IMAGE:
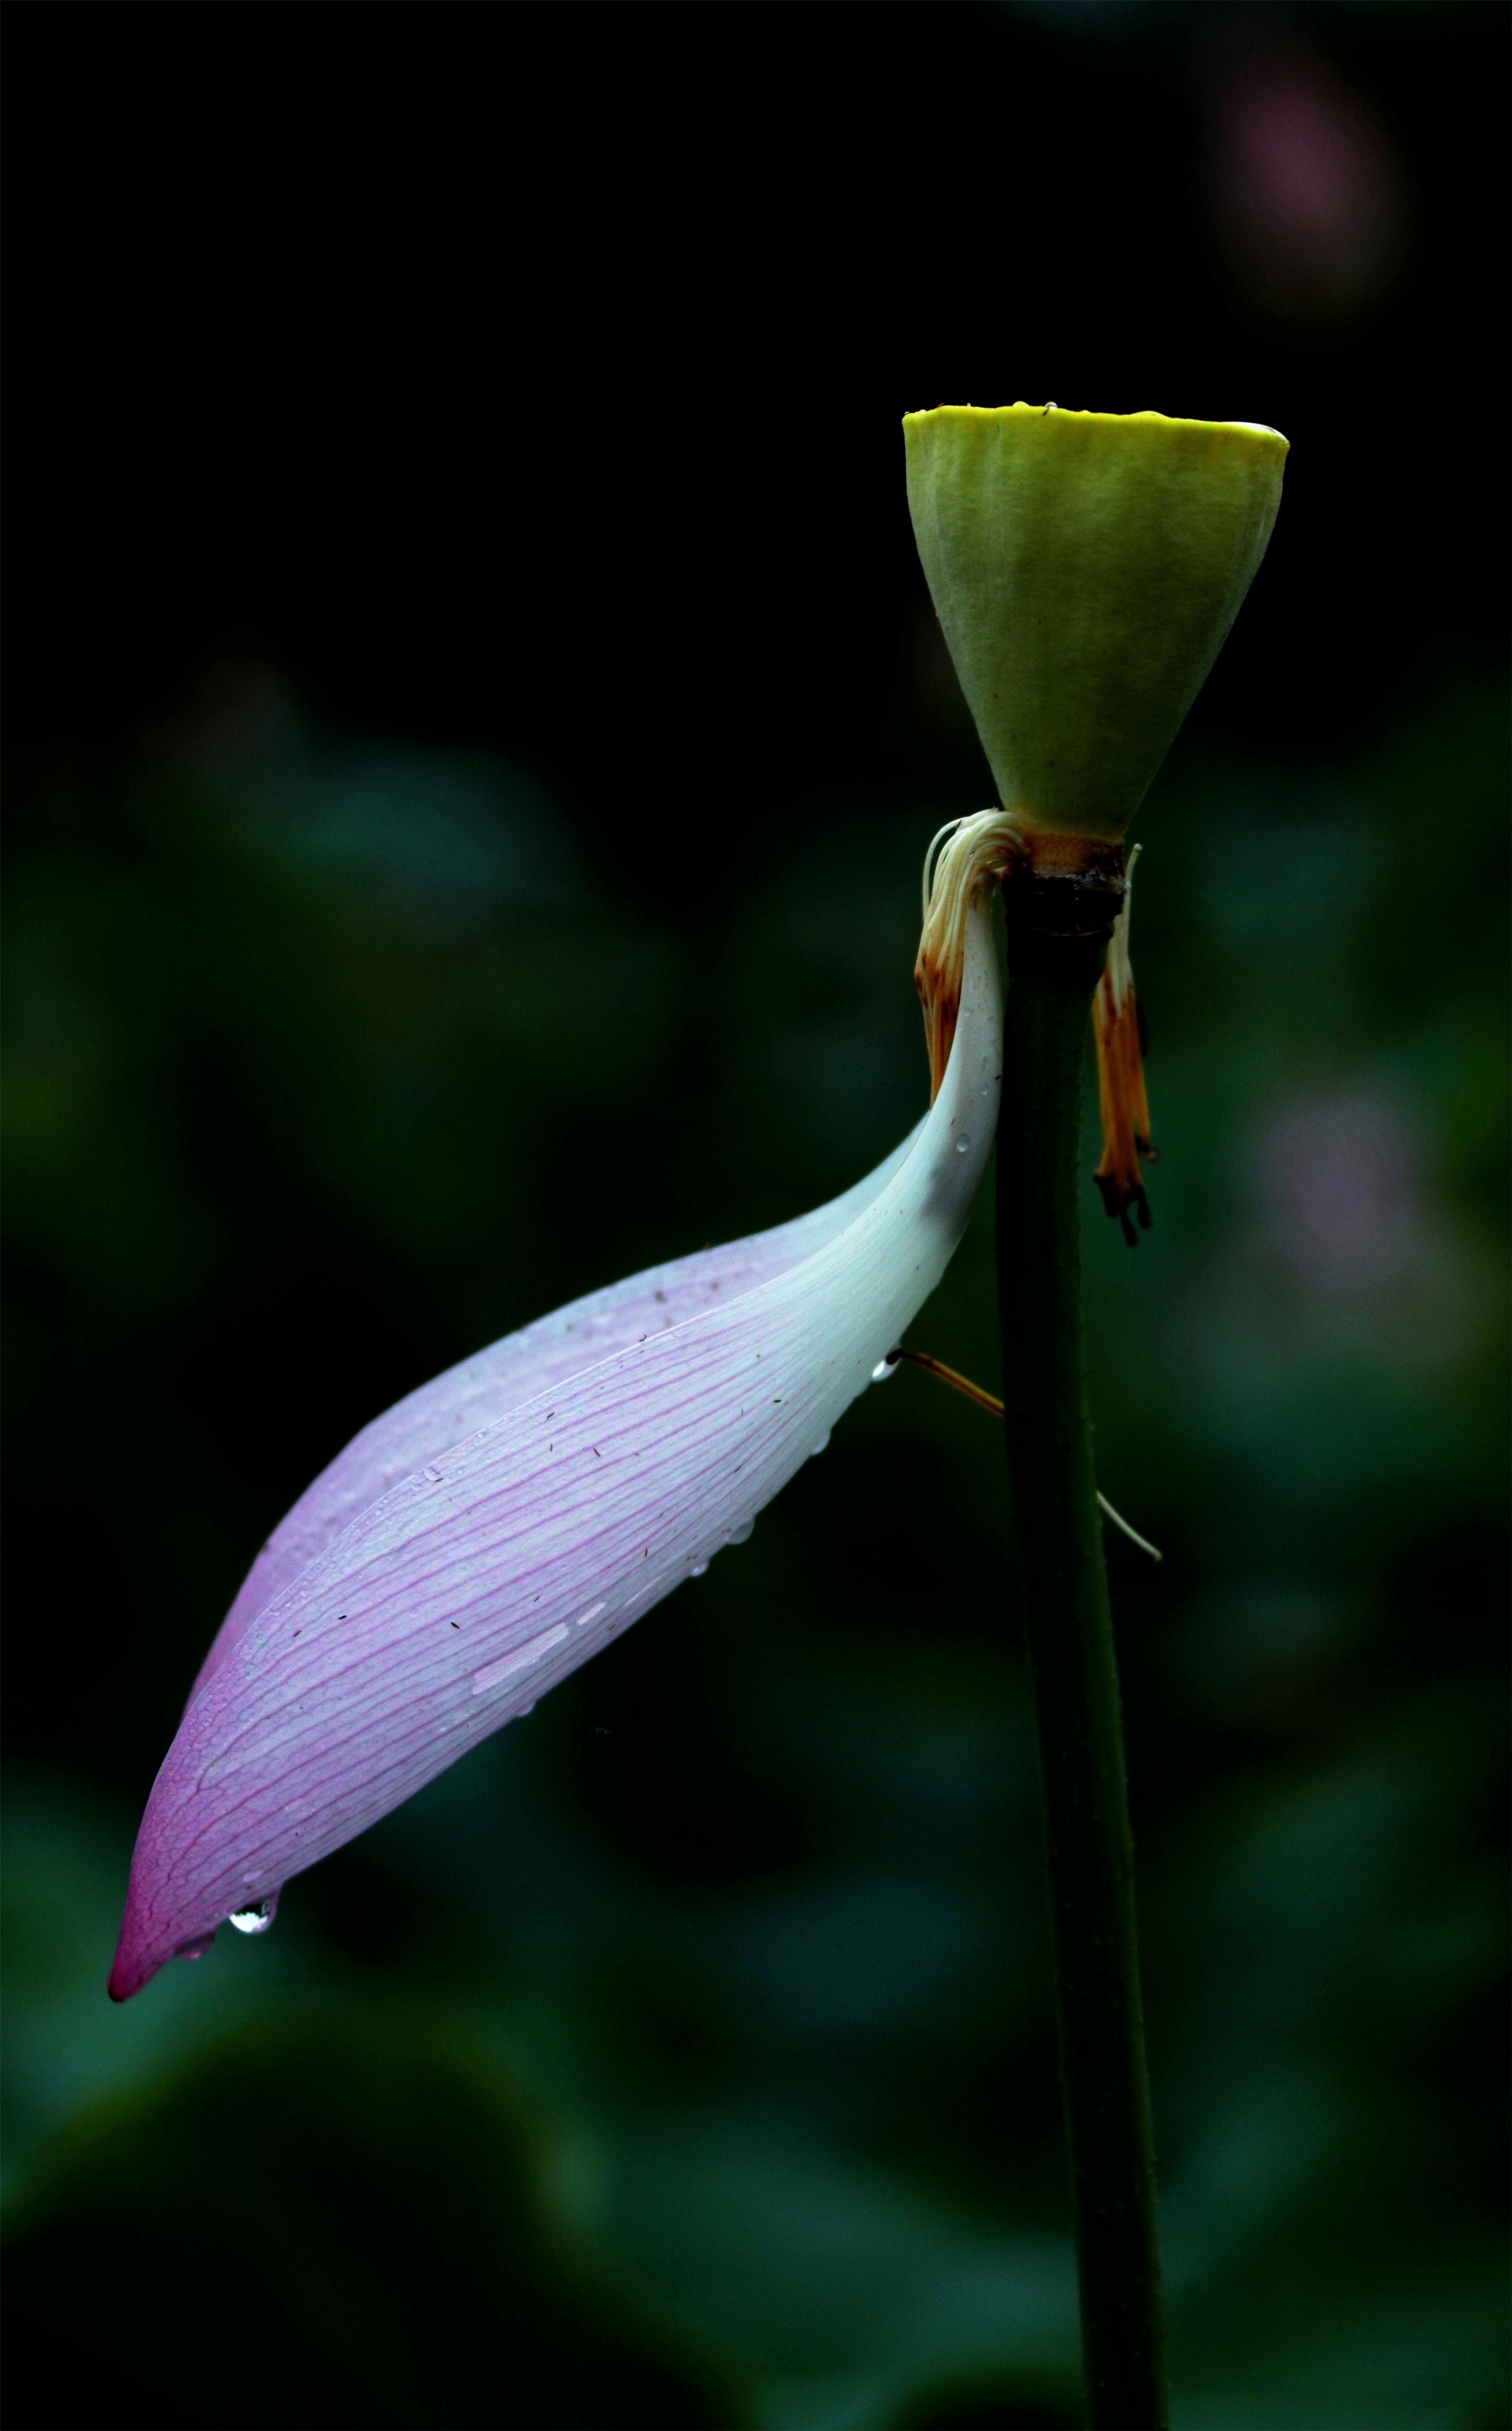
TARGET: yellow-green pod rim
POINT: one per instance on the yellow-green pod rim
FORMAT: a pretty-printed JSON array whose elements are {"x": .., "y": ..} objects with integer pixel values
[{"x": 1086, "y": 569}]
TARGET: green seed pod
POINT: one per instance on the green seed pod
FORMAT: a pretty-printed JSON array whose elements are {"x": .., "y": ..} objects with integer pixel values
[{"x": 1085, "y": 568}]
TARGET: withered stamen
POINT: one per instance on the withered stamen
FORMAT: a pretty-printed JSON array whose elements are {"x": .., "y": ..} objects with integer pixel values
[
  {"x": 985, "y": 1401},
  {"x": 978, "y": 852},
  {"x": 1121, "y": 1038}
]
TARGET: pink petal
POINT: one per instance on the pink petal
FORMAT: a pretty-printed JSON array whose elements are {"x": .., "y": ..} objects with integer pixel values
[
  {"x": 479, "y": 1390},
  {"x": 450, "y": 1601}
]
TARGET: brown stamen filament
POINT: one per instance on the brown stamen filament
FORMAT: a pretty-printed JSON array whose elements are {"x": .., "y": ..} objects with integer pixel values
[
  {"x": 1122, "y": 1039},
  {"x": 985, "y": 1401},
  {"x": 1124, "y": 1107}
]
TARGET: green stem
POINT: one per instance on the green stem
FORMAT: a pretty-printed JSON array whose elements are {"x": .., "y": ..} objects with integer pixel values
[{"x": 1069, "y": 1630}]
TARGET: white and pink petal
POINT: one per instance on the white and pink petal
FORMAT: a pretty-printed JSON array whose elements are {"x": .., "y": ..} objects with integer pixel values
[{"x": 558, "y": 1486}]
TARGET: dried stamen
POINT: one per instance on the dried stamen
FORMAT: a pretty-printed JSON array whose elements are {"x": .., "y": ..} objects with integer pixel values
[
  {"x": 979, "y": 854},
  {"x": 985, "y": 1401},
  {"x": 1120, "y": 1036}
]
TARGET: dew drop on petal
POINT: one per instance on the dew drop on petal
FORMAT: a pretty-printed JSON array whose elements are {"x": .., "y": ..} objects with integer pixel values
[
  {"x": 963, "y": 1146},
  {"x": 884, "y": 1369},
  {"x": 197, "y": 1946},
  {"x": 738, "y": 1535},
  {"x": 822, "y": 1445},
  {"x": 698, "y": 1569},
  {"x": 259, "y": 1917}
]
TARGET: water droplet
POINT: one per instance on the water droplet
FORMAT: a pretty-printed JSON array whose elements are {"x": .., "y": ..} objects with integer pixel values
[
  {"x": 884, "y": 1369},
  {"x": 822, "y": 1445},
  {"x": 738, "y": 1535},
  {"x": 698, "y": 1569},
  {"x": 434, "y": 1476},
  {"x": 196, "y": 1945},
  {"x": 592, "y": 1612},
  {"x": 986, "y": 1089},
  {"x": 963, "y": 1146},
  {"x": 258, "y": 1918}
]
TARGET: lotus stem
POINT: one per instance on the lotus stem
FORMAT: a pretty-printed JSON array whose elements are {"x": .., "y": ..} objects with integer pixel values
[{"x": 1068, "y": 1631}]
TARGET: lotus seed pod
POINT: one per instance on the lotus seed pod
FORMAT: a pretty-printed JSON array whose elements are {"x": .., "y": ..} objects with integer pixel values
[{"x": 1086, "y": 569}]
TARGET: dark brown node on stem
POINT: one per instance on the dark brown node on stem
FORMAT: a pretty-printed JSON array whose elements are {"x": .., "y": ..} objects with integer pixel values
[{"x": 1065, "y": 886}]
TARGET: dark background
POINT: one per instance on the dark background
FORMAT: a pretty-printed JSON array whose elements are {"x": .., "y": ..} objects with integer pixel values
[{"x": 474, "y": 717}]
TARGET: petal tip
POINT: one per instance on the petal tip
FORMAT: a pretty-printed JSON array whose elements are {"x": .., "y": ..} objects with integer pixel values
[
  {"x": 137, "y": 1959},
  {"x": 125, "y": 1979}
]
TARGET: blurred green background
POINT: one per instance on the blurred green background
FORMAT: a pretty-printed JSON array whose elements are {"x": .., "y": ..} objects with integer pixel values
[{"x": 687, "y": 2054}]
